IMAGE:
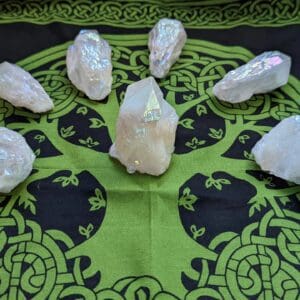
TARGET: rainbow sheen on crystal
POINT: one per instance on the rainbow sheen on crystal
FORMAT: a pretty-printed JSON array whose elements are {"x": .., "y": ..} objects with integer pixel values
[
  {"x": 89, "y": 64},
  {"x": 16, "y": 159},
  {"x": 262, "y": 74},
  {"x": 146, "y": 129},
  {"x": 166, "y": 41},
  {"x": 19, "y": 88}
]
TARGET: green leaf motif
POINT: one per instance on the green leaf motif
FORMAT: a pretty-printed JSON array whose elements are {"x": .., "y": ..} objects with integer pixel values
[
  {"x": 284, "y": 200},
  {"x": 188, "y": 97},
  {"x": 65, "y": 181},
  {"x": 37, "y": 152},
  {"x": 197, "y": 232},
  {"x": 216, "y": 134},
  {"x": 243, "y": 138},
  {"x": 86, "y": 231},
  {"x": 82, "y": 110},
  {"x": 201, "y": 110},
  {"x": 187, "y": 123},
  {"x": 195, "y": 143},
  {"x": 89, "y": 142},
  {"x": 40, "y": 138},
  {"x": 268, "y": 181},
  {"x": 248, "y": 155},
  {"x": 256, "y": 205},
  {"x": 67, "y": 132},
  {"x": 122, "y": 96},
  {"x": 96, "y": 123},
  {"x": 74, "y": 180},
  {"x": 187, "y": 200},
  {"x": 97, "y": 201},
  {"x": 27, "y": 201},
  {"x": 217, "y": 183}
]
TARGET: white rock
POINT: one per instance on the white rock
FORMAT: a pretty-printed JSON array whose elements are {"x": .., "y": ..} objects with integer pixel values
[
  {"x": 20, "y": 89},
  {"x": 278, "y": 151},
  {"x": 262, "y": 74},
  {"x": 166, "y": 41},
  {"x": 89, "y": 64},
  {"x": 16, "y": 159},
  {"x": 146, "y": 129}
]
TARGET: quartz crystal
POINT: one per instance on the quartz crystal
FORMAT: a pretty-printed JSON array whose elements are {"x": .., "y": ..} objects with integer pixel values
[
  {"x": 89, "y": 64},
  {"x": 146, "y": 129},
  {"x": 262, "y": 74},
  {"x": 166, "y": 41},
  {"x": 278, "y": 151},
  {"x": 20, "y": 89},
  {"x": 16, "y": 159}
]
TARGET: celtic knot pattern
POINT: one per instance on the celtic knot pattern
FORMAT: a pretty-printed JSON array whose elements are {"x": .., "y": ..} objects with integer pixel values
[
  {"x": 36, "y": 263},
  {"x": 258, "y": 256},
  {"x": 250, "y": 264},
  {"x": 33, "y": 264},
  {"x": 134, "y": 14}
]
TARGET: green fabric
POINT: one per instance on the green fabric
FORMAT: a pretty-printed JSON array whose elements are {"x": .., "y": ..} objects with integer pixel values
[
  {"x": 141, "y": 14},
  {"x": 144, "y": 247}
]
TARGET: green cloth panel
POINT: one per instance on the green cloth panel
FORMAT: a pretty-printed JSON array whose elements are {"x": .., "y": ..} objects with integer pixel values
[{"x": 214, "y": 226}]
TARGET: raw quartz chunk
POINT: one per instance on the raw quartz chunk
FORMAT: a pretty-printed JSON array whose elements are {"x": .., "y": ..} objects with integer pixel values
[
  {"x": 262, "y": 74},
  {"x": 20, "y": 89},
  {"x": 16, "y": 159},
  {"x": 278, "y": 151},
  {"x": 146, "y": 129},
  {"x": 166, "y": 41},
  {"x": 89, "y": 64}
]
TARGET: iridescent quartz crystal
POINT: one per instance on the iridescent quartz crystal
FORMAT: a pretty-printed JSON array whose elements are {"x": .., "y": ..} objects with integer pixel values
[
  {"x": 89, "y": 64},
  {"x": 166, "y": 41},
  {"x": 278, "y": 151},
  {"x": 146, "y": 129},
  {"x": 20, "y": 89},
  {"x": 16, "y": 159},
  {"x": 262, "y": 74}
]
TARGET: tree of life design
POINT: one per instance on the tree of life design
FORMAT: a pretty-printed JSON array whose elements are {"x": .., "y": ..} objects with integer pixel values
[{"x": 139, "y": 220}]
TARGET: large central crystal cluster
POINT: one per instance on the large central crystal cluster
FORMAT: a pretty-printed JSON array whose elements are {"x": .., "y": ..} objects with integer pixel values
[
  {"x": 278, "y": 151},
  {"x": 19, "y": 88},
  {"x": 89, "y": 64},
  {"x": 16, "y": 159},
  {"x": 262, "y": 74},
  {"x": 166, "y": 41},
  {"x": 146, "y": 129}
]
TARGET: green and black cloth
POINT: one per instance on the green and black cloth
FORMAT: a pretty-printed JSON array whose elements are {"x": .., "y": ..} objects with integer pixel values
[{"x": 214, "y": 226}]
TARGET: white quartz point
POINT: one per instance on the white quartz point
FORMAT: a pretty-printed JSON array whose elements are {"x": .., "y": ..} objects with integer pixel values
[
  {"x": 20, "y": 89},
  {"x": 262, "y": 74},
  {"x": 16, "y": 159},
  {"x": 146, "y": 129},
  {"x": 89, "y": 64},
  {"x": 278, "y": 151},
  {"x": 166, "y": 41}
]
